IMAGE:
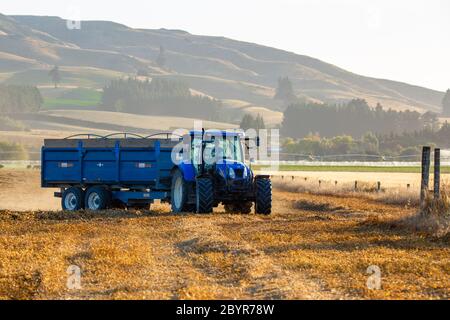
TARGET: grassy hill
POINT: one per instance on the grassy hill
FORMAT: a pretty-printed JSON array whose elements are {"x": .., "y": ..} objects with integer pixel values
[{"x": 242, "y": 73}]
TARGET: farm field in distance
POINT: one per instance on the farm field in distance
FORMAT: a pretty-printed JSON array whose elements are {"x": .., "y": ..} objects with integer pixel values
[
  {"x": 312, "y": 247},
  {"x": 356, "y": 168}
]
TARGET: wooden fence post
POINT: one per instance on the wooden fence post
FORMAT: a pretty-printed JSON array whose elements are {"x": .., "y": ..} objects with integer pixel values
[
  {"x": 426, "y": 152},
  {"x": 437, "y": 173}
]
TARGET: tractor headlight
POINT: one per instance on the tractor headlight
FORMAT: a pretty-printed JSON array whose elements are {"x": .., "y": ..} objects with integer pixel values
[{"x": 231, "y": 173}]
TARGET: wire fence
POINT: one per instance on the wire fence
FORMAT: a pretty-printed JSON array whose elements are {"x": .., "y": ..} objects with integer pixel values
[{"x": 354, "y": 157}]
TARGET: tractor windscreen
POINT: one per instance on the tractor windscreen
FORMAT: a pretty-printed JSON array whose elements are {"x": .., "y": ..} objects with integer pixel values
[{"x": 222, "y": 148}]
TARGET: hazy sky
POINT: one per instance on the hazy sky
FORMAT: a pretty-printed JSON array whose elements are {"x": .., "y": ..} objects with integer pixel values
[{"x": 405, "y": 40}]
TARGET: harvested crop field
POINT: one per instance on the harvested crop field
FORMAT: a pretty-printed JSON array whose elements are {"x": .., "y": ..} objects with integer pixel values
[{"x": 312, "y": 247}]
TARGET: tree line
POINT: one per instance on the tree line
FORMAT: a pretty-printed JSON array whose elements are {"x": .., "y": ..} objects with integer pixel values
[
  {"x": 158, "y": 97},
  {"x": 12, "y": 151},
  {"x": 15, "y": 98},
  {"x": 353, "y": 118},
  {"x": 405, "y": 144},
  {"x": 314, "y": 145},
  {"x": 415, "y": 139}
]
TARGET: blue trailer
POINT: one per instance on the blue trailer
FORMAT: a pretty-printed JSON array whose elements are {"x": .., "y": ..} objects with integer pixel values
[{"x": 127, "y": 170}]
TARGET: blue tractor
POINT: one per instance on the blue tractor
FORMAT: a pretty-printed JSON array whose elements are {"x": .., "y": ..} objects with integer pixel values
[{"x": 194, "y": 173}]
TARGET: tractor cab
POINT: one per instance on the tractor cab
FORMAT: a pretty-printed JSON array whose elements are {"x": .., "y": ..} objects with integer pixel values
[
  {"x": 223, "y": 160},
  {"x": 214, "y": 149}
]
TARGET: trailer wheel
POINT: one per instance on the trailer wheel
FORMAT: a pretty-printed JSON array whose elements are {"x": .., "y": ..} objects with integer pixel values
[
  {"x": 205, "y": 195},
  {"x": 97, "y": 198},
  {"x": 179, "y": 193},
  {"x": 263, "y": 203},
  {"x": 72, "y": 199}
]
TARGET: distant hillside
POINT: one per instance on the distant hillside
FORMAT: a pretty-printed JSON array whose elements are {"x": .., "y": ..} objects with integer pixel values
[{"x": 242, "y": 74}]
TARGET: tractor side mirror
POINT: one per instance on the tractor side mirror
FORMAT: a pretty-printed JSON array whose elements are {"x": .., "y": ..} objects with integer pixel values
[{"x": 247, "y": 142}]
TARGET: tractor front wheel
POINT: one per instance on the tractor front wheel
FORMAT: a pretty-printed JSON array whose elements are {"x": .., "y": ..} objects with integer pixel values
[
  {"x": 263, "y": 203},
  {"x": 204, "y": 195}
]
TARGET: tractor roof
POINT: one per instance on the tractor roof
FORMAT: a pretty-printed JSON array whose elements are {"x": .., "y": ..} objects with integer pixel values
[{"x": 227, "y": 133}]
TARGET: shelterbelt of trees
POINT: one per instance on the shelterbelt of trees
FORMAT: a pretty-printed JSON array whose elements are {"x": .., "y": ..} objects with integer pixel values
[
  {"x": 353, "y": 118},
  {"x": 406, "y": 144},
  {"x": 158, "y": 97},
  {"x": 354, "y": 128},
  {"x": 12, "y": 151},
  {"x": 15, "y": 98}
]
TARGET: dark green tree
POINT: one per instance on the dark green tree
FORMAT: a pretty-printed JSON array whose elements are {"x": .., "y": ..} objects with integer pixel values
[
  {"x": 285, "y": 90},
  {"x": 259, "y": 122},
  {"x": 55, "y": 75},
  {"x": 161, "y": 59},
  {"x": 247, "y": 122},
  {"x": 15, "y": 98},
  {"x": 430, "y": 119},
  {"x": 250, "y": 122}
]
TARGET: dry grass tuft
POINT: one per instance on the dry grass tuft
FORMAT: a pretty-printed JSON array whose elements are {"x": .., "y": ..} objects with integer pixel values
[
  {"x": 433, "y": 218},
  {"x": 398, "y": 196}
]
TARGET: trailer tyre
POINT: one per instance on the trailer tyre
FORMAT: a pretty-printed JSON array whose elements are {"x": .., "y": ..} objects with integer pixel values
[
  {"x": 97, "y": 198},
  {"x": 72, "y": 199},
  {"x": 263, "y": 203},
  {"x": 205, "y": 195}
]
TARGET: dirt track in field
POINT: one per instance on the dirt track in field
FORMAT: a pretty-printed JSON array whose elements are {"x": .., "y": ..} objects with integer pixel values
[
  {"x": 20, "y": 191},
  {"x": 312, "y": 247}
]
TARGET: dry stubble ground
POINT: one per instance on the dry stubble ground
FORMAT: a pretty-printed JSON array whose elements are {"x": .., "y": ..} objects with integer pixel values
[{"x": 313, "y": 247}]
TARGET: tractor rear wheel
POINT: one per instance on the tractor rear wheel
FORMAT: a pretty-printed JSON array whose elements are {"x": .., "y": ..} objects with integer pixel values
[
  {"x": 263, "y": 203},
  {"x": 97, "y": 198},
  {"x": 179, "y": 193},
  {"x": 204, "y": 195},
  {"x": 73, "y": 199}
]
